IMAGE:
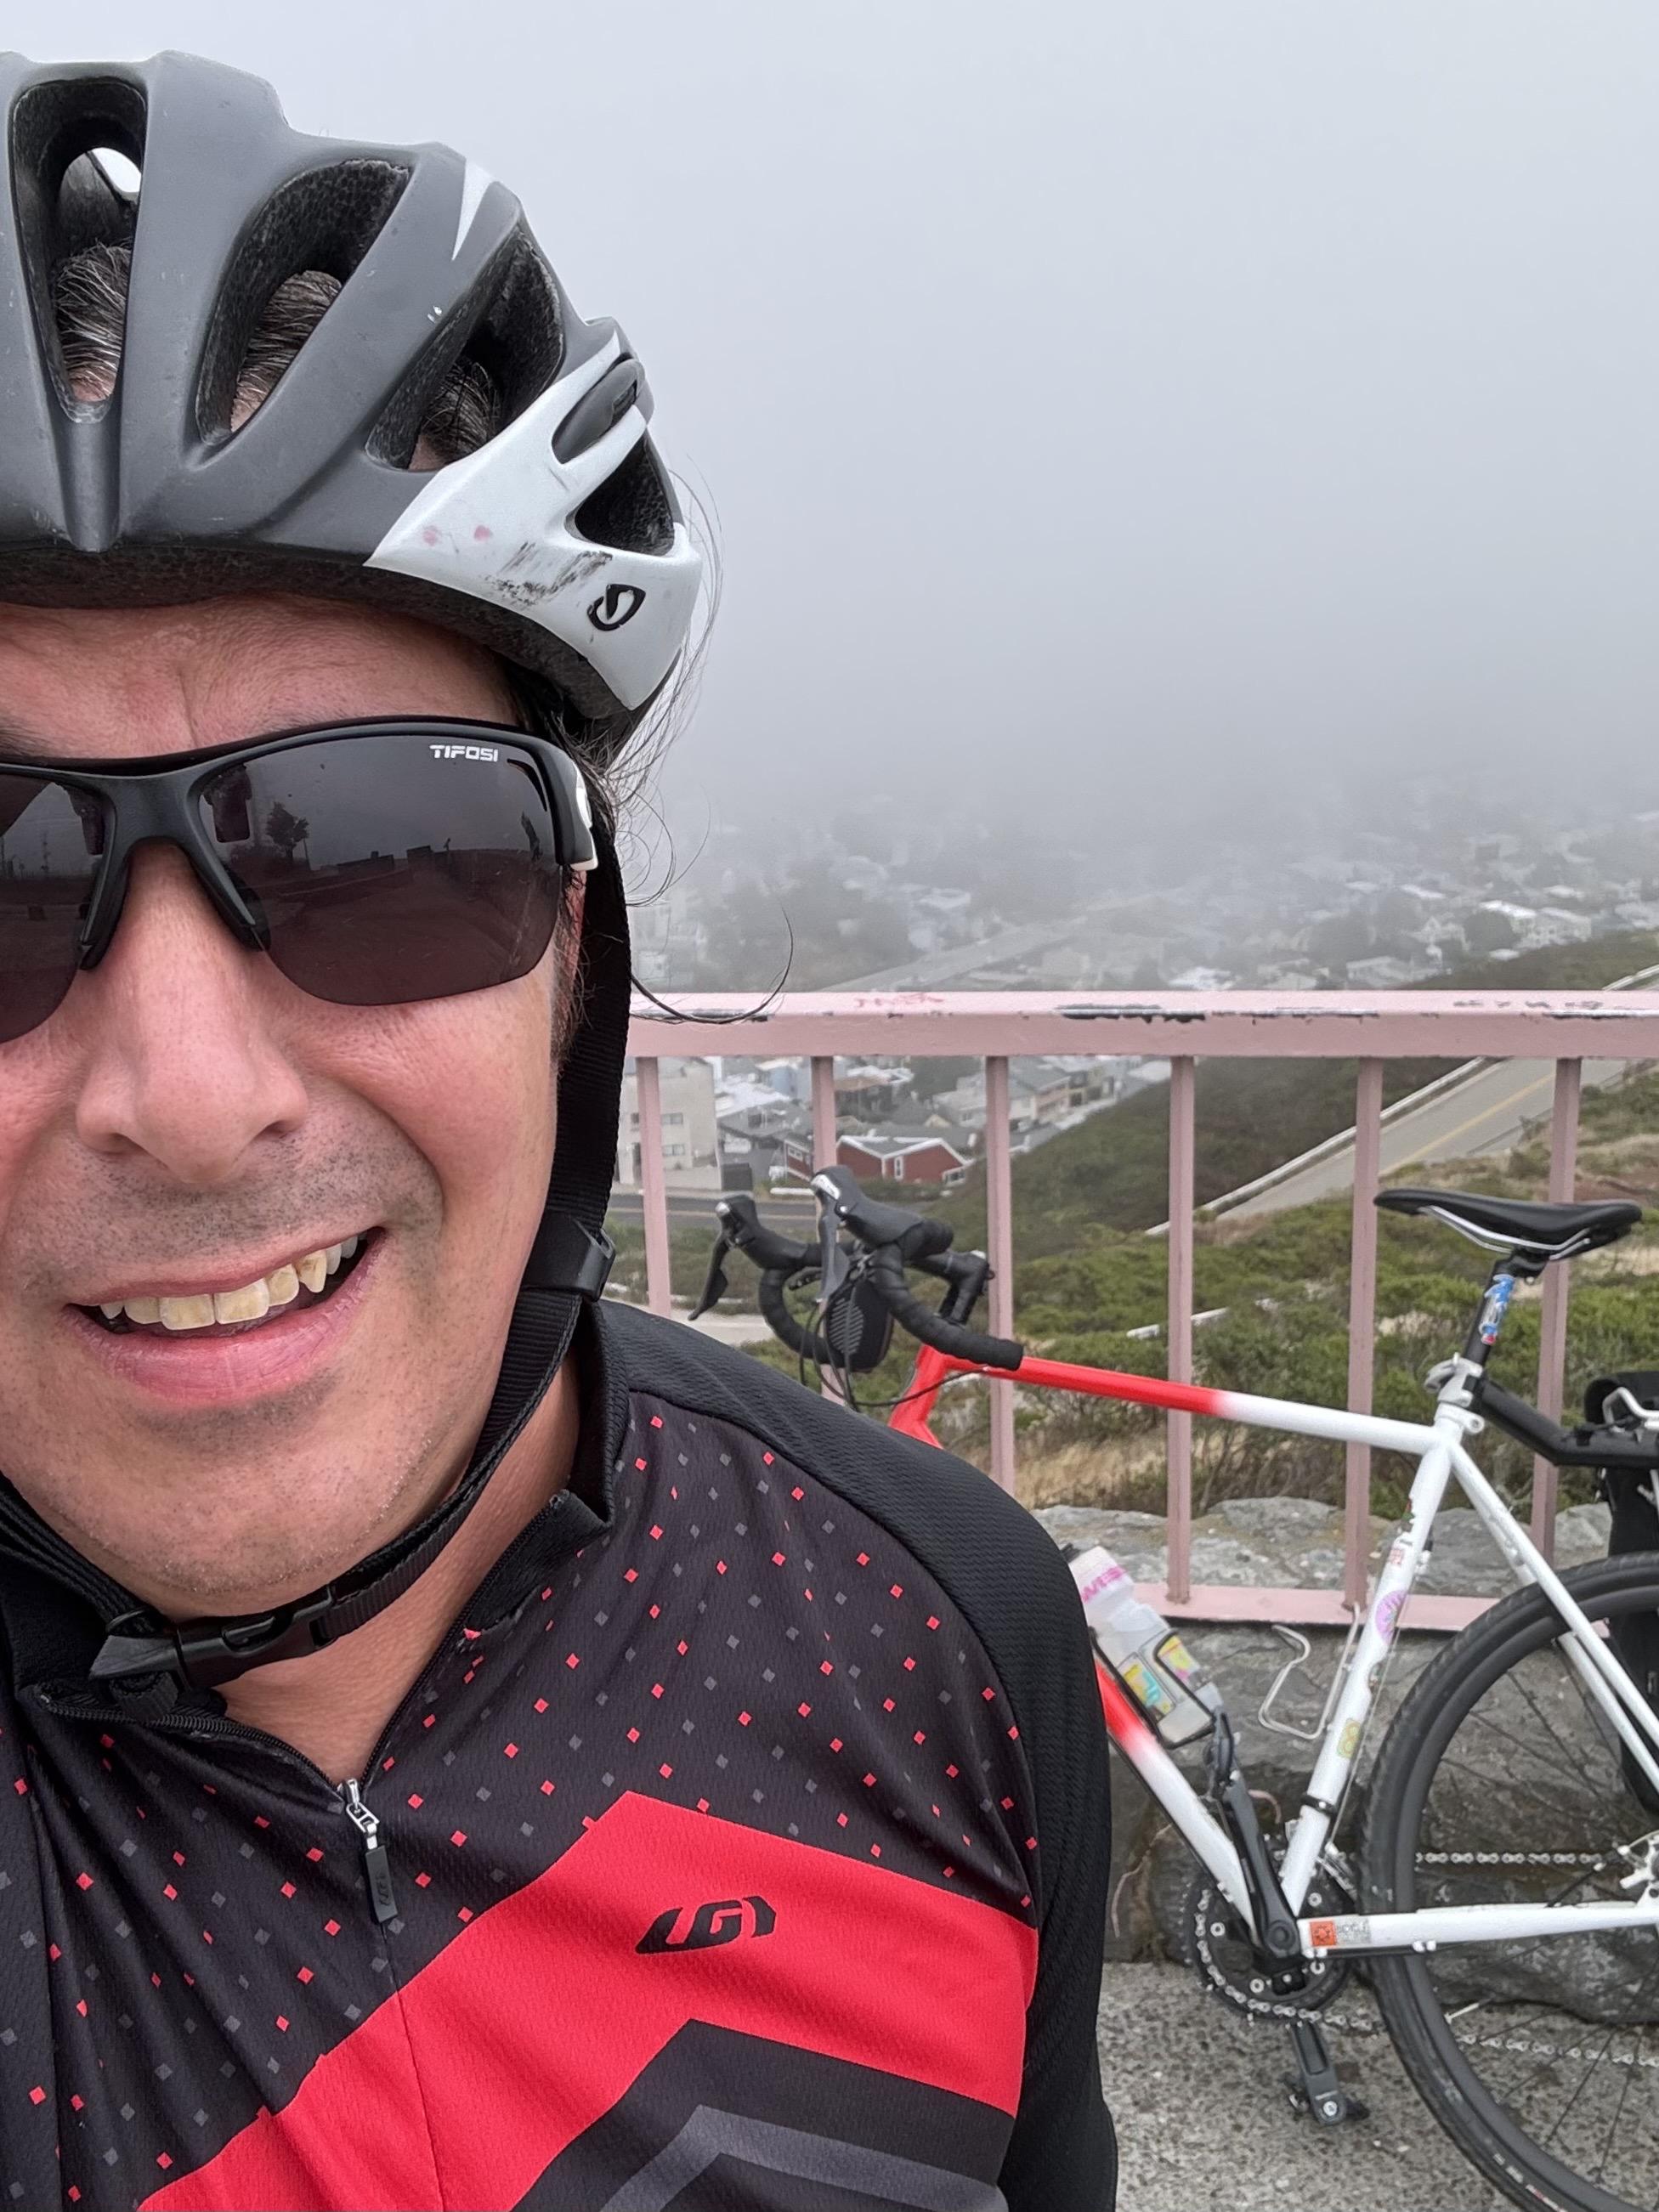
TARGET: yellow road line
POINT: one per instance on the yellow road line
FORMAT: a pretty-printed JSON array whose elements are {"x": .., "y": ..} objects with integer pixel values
[{"x": 1497, "y": 1107}]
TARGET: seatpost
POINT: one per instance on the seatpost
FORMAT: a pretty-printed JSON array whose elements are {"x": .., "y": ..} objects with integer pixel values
[{"x": 1489, "y": 1317}]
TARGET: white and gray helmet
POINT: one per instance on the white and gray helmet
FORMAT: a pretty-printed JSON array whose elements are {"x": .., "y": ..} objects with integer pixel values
[{"x": 558, "y": 543}]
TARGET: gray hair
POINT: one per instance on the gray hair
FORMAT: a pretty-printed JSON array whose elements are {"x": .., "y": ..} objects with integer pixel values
[{"x": 89, "y": 294}]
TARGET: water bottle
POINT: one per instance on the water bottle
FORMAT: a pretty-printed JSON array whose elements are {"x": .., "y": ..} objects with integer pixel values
[{"x": 1143, "y": 1651}]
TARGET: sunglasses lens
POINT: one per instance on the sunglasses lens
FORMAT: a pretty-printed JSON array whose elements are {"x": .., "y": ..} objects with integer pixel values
[
  {"x": 50, "y": 841},
  {"x": 389, "y": 868}
]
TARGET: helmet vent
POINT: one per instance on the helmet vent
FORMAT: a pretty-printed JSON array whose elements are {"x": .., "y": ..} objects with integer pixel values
[
  {"x": 504, "y": 352},
  {"x": 321, "y": 223},
  {"x": 633, "y": 509},
  {"x": 72, "y": 138}
]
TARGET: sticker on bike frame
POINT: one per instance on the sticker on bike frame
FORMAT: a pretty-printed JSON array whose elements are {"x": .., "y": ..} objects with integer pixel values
[
  {"x": 1348, "y": 1742},
  {"x": 1499, "y": 1291},
  {"x": 1351, "y": 1932},
  {"x": 1388, "y": 1614}
]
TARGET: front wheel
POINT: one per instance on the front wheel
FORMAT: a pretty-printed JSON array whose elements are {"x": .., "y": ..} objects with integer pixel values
[{"x": 1500, "y": 1781}]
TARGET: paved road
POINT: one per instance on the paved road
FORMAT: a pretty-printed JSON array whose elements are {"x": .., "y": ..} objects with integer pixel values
[
  {"x": 1483, "y": 1115},
  {"x": 1204, "y": 2125},
  {"x": 794, "y": 1217}
]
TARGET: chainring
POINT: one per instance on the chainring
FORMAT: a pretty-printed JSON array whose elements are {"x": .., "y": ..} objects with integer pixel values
[{"x": 1215, "y": 1945}]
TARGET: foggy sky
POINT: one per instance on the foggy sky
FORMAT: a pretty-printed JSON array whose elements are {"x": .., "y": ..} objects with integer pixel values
[{"x": 1103, "y": 404}]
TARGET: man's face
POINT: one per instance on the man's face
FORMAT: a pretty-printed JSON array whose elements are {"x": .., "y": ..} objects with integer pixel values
[{"x": 189, "y": 1122}]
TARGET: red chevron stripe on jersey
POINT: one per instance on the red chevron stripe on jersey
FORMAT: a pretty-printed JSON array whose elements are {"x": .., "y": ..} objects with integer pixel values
[{"x": 534, "y": 2021}]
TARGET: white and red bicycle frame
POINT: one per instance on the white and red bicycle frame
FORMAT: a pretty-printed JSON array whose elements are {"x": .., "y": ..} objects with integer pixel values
[{"x": 1439, "y": 1449}]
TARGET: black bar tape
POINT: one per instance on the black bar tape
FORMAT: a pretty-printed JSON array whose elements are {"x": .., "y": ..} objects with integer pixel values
[{"x": 919, "y": 1319}]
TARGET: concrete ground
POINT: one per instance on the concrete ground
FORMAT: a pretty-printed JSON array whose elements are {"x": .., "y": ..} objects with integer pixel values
[{"x": 1203, "y": 2123}]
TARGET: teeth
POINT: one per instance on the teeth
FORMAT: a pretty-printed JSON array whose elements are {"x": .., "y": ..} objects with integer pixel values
[
  {"x": 186, "y": 1313},
  {"x": 252, "y": 1303}
]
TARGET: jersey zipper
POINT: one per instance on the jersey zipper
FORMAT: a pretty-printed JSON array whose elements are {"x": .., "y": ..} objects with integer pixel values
[{"x": 376, "y": 1865}]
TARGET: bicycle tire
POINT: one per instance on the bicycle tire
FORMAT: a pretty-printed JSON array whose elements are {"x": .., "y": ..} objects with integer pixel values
[{"x": 1434, "y": 2052}]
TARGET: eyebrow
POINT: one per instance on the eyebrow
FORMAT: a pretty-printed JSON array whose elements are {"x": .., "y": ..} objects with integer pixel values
[{"x": 25, "y": 746}]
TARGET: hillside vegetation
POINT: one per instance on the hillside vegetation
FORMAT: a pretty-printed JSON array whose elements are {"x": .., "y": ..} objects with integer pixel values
[
  {"x": 1249, "y": 1115},
  {"x": 1086, "y": 1274}
]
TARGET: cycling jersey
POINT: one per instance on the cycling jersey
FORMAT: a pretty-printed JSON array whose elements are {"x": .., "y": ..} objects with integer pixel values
[{"x": 742, "y": 1849}]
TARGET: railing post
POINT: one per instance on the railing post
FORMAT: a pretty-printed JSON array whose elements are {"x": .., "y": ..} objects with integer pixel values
[
  {"x": 1179, "y": 1448},
  {"x": 824, "y": 1111},
  {"x": 999, "y": 1251},
  {"x": 1362, "y": 1326},
  {"x": 1552, "y": 1322},
  {"x": 653, "y": 1192}
]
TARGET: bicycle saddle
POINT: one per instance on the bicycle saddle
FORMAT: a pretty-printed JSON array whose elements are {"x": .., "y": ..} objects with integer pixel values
[{"x": 1544, "y": 1232}]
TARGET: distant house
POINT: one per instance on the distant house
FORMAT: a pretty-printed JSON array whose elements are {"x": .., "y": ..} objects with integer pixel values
[
  {"x": 903, "y": 1160},
  {"x": 1557, "y": 926},
  {"x": 1041, "y": 1091},
  {"x": 690, "y": 1139},
  {"x": 1384, "y": 973},
  {"x": 766, "y": 1139},
  {"x": 869, "y": 1088},
  {"x": 880, "y": 1157}
]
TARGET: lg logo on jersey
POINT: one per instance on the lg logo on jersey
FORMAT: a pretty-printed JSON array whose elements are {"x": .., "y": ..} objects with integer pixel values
[{"x": 701, "y": 1928}]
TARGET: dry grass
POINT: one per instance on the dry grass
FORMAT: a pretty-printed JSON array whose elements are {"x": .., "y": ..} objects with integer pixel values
[{"x": 1086, "y": 1472}]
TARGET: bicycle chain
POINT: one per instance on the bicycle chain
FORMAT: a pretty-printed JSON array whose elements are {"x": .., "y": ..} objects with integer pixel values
[
  {"x": 1348, "y": 2024},
  {"x": 1591, "y": 1859}
]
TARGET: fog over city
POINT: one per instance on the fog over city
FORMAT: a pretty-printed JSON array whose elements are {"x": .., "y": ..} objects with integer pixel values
[{"x": 1107, "y": 413}]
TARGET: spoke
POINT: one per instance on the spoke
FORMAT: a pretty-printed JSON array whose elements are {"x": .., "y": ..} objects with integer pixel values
[
  {"x": 1570, "y": 1769},
  {"x": 1522, "y": 1690},
  {"x": 1618, "y": 2114},
  {"x": 1561, "y": 2117}
]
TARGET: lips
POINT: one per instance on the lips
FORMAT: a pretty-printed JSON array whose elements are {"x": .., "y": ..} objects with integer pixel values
[
  {"x": 307, "y": 1281},
  {"x": 221, "y": 1367}
]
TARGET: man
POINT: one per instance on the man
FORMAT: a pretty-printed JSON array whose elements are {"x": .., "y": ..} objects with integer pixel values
[{"x": 468, "y": 1744}]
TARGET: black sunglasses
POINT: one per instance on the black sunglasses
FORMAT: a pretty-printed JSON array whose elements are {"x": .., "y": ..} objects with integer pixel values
[{"x": 376, "y": 862}]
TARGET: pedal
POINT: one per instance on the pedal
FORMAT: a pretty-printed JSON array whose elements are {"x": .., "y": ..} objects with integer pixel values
[{"x": 1315, "y": 2088}]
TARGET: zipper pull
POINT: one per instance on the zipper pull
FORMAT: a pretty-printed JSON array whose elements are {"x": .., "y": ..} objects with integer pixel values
[{"x": 376, "y": 1862}]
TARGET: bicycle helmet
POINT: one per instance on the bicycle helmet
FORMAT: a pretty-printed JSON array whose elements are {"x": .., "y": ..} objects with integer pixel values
[{"x": 556, "y": 543}]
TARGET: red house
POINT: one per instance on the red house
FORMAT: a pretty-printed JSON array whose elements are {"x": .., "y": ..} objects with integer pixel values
[{"x": 902, "y": 1159}]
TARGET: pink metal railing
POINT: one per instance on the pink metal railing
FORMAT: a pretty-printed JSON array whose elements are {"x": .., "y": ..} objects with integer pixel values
[{"x": 1566, "y": 1027}]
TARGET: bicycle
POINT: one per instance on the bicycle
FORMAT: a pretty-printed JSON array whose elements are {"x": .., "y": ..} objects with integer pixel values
[{"x": 1520, "y": 1986}]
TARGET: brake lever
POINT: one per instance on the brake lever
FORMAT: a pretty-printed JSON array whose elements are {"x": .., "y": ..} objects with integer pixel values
[
  {"x": 964, "y": 1275},
  {"x": 834, "y": 1263},
  {"x": 716, "y": 1285}
]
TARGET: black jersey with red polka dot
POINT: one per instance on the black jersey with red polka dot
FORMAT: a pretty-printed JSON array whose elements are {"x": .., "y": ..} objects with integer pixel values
[{"x": 743, "y": 1846}]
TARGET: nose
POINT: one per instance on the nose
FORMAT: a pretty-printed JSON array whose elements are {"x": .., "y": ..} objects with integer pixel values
[{"x": 184, "y": 1063}]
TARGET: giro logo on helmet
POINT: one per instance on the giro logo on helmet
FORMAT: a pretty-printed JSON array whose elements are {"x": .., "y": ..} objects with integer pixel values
[
  {"x": 465, "y": 752},
  {"x": 619, "y": 603}
]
